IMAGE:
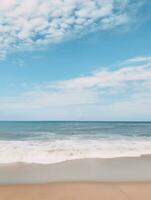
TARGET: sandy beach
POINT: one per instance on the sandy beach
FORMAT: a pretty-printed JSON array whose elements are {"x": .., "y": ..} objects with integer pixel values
[
  {"x": 84, "y": 179},
  {"x": 77, "y": 190}
]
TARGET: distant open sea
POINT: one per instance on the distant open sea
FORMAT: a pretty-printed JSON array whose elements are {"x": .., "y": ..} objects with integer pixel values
[{"x": 51, "y": 142}]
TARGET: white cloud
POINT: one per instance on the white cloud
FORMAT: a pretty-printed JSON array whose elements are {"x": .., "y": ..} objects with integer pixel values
[
  {"x": 112, "y": 78},
  {"x": 119, "y": 94},
  {"x": 138, "y": 60},
  {"x": 25, "y": 25}
]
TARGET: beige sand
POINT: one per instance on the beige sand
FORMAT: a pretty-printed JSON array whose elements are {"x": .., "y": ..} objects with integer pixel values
[{"x": 77, "y": 191}]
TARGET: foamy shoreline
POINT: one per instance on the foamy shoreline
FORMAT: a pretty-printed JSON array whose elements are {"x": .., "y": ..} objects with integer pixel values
[
  {"x": 48, "y": 152},
  {"x": 108, "y": 170}
]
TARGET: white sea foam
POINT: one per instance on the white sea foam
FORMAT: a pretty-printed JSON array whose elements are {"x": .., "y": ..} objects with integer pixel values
[{"x": 61, "y": 150}]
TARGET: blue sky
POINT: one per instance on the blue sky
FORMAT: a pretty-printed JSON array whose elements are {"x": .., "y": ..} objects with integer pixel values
[{"x": 75, "y": 60}]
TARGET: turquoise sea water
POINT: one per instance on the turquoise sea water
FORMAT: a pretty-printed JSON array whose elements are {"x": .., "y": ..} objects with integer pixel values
[{"x": 49, "y": 142}]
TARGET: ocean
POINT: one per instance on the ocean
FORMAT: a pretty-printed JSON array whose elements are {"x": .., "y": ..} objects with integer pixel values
[{"x": 57, "y": 141}]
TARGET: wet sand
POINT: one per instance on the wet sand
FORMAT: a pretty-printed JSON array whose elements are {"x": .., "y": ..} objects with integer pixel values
[{"x": 106, "y": 170}]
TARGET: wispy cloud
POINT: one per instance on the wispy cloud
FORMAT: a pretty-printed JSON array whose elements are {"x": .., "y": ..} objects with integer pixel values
[
  {"x": 122, "y": 93},
  {"x": 25, "y": 25},
  {"x": 109, "y": 78}
]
